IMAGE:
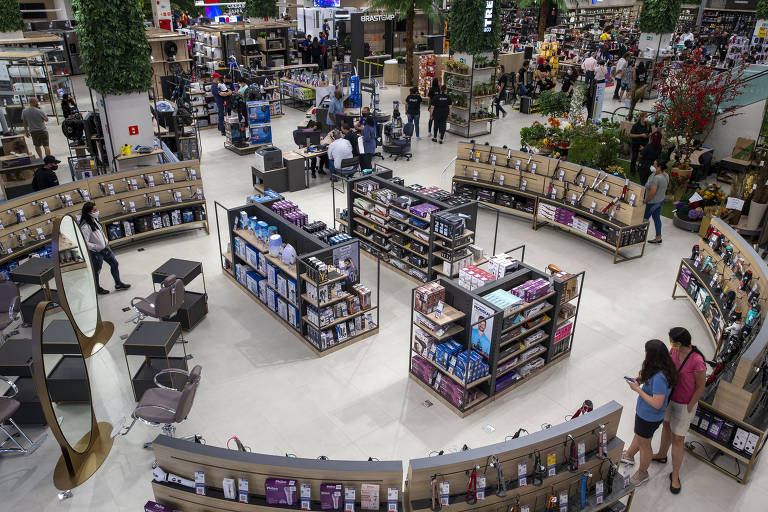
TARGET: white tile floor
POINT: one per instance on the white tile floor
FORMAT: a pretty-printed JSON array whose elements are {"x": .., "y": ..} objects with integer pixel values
[{"x": 261, "y": 384}]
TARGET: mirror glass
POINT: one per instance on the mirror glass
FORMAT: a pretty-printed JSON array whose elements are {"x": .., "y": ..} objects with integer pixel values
[
  {"x": 66, "y": 378},
  {"x": 79, "y": 286}
]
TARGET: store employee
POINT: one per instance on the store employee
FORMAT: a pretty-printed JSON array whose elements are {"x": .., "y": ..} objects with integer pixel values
[{"x": 335, "y": 110}]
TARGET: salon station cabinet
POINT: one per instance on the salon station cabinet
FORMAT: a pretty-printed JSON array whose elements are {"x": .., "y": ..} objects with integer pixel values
[
  {"x": 154, "y": 340},
  {"x": 38, "y": 272},
  {"x": 195, "y": 305},
  {"x": 16, "y": 361}
]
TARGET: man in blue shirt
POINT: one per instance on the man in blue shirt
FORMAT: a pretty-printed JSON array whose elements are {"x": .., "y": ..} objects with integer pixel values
[
  {"x": 220, "y": 93},
  {"x": 335, "y": 110}
]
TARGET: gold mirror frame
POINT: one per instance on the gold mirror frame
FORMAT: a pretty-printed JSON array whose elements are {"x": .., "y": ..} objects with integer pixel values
[
  {"x": 89, "y": 345},
  {"x": 77, "y": 463}
]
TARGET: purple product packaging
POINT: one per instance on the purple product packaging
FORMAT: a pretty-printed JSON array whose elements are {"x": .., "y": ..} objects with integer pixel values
[
  {"x": 152, "y": 506},
  {"x": 280, "y": 491},
  {"x": 330, "y": 496}
]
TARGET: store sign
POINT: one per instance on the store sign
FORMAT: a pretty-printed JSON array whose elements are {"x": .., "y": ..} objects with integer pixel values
[
  {"x": 488, "y": 16},
  {"x": 377, "y": 17}
]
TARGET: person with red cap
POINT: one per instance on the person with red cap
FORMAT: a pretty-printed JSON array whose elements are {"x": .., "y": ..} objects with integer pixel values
[{"x": 220, "y": 92}]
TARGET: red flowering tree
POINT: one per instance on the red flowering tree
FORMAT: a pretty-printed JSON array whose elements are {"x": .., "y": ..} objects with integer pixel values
[{"x": 692, "y": 98}]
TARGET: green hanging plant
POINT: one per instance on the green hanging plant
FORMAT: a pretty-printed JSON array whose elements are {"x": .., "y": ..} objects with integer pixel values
[
  {"x": 467, "y": 24},
  {"x": 659, "y": 16},
  {"x": 10, "y": 16},
  {"x": 260, "y": 9},
  {"x": 762, "y": 9},
  {"x": 113, "y": 46}
]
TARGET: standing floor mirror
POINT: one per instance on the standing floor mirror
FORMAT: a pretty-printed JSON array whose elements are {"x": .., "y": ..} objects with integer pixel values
[{"x": 64, "y": 336}]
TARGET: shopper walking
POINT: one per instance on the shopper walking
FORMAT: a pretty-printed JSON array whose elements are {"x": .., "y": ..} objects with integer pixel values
[
  {"x": 588, "y": 66},
  {"x": 618, "y": 74},
  {"x": 655, "y": 191},
  {"x": 691, "y": 379},
  {"x": 433, "y": 90},
  {"x": 34, "y": 120},
  {"x": 639, "y": 82},
  {"x": 654, "y": 384},
  {"x": 98, "y": 248},
  {"x": 220, "y": 95},
  {"x": 413, "y": 109},
  {"x": 638, "y": 137},
  {"x": 627, "y": 79},
  {"x": 440, "y": 110},
  {"x": 369, "y": 142}
]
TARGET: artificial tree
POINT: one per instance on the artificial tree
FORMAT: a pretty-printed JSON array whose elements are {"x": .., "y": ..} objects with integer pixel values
[
  {"x": 468, "y": 31},
  {"x": 11, "y": 22},
  {"x": 113, "y": 46},
  {"x": 692, "y": 99},
  {"x": 659, "y": 16},
  {"x": 407, "y": 9},
  {"x": 260, "y": 9}
]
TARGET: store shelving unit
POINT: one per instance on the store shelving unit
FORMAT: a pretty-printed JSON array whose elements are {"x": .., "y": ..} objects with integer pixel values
[
  {"x": 540, "y": 329},
  {"x": 163, "y": 63},
  {"x": 599, "y": 16},
  {"x": 728, "y": 21},
  {"x": 290, "y": 293},
  {"x": 531, "y": 186},
  {"x": 732, "y": 414},
  {"x": 687, "y": 19},
  {"x": 475, "y": 114},
  {"x": 32, "y": 73},
  {"x": 403, "y": 240}
]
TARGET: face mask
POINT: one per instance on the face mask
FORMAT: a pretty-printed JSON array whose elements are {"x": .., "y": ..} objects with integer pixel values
[
  {"x": 95, "y": 215},
  {"x": 653, "y": 169},
  {"x": 54, "y": 167}
]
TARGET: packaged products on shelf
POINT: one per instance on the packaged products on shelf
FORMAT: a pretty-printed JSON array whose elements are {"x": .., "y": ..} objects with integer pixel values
[
  {"x": 330, "y": 496},
  {"x": 427, "y": 297},
  {"x": 280, "y": 491}
]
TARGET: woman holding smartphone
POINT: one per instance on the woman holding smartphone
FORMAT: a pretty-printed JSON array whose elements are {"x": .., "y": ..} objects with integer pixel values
[{"x": 658, "y": 376}]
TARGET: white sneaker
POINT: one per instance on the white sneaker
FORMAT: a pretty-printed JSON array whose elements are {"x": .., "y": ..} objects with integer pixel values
[{"x": 418, "y": 138}]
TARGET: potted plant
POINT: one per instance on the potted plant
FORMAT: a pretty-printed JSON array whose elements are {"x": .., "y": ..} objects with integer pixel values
[{"x": 693, "y": 98}]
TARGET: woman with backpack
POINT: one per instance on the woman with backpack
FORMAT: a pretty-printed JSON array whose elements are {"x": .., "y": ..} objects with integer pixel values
[{"x": 691, "y": 380}]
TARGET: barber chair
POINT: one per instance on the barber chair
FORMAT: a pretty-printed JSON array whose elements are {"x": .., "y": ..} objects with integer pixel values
[
  {"x": 163, "y": 303},
  {"x": 8, "y": 406},
  {"x": 163, "y": 406}
]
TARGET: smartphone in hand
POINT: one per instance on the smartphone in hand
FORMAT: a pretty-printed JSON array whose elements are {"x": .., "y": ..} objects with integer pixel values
[{"x": 629, "y": 379}]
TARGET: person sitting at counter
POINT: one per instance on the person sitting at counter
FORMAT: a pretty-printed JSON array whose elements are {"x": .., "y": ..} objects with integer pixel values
[{"x": 339, "y": 150}]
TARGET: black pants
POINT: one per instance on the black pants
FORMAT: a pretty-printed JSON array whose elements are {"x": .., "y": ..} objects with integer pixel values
[
  {"x": 323, "y": 163},
  {"x": 633, "y": 162},
  {"x": 366, "y": 161},
  {"x": 439, "y": 126},
  {"x": 429, "y": 126},
  {"x": 617, "y": 89},
  {"x": 497, "y": 102},
  {"x": 98, "y": 259}
]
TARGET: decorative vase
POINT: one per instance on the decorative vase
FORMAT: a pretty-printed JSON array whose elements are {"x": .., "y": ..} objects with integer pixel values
[{"x": 756, "y": 214}]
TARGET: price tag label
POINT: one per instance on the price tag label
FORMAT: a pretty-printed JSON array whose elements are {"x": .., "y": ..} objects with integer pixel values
[
  {"x": 474, "y": 175},
  {"x": 445, "y": 493},
  {"x": 480, "y": 493},
  {"x": 606, "y": 188},
  {"x": 553, "y": 195},
  {"x": 551, "y": 464},
  {"x": 599, "y": 492},
  {"x": 522, "y": 474},
  {"x": 523, "y": 184},
  {"x": 501, "y": 179},
  {"x": 582, "y": 451},
  {"x": 533, "y": 168},
  {"x": 573, "y": 199},
  {"x": 306, "y": 495},
  {"x": 157, "y": 200},
  {"x": 40, "y": 234},
  {"x": 392, "y": 499},
  {"x": 132, "y": 206},
  {"x": 349, "y": 499}
]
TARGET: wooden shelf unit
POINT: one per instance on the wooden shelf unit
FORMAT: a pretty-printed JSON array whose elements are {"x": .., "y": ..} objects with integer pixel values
[
  {"x": 482, "y": 172},
  {"x": 456, "y": 324}
]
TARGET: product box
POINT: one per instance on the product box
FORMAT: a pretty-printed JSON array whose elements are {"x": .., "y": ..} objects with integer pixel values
[
  {"x": 280, "y": 492},
  {"x": 282, "y": 309},
  {"x": 330, "y": 496},
  {"x": 271, "y": 299},
  {"x": 261, "y": 134},
  {"x": 263, "y": 290},
  {"x": 252, "y": 279},
  {"x": 282, "y": 287},
  {"x": 258, "y": 112},
  {"x": 272, "y": 273},
  {"x": 293, "y": 316},
  {"x": 427, "y": 297},
  {"x": 152, "y": 506},
  {"x": 252, "y": 256}
]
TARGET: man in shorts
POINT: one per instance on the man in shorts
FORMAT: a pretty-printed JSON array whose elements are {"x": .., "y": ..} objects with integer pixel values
[{"x": 34, "y": 126}]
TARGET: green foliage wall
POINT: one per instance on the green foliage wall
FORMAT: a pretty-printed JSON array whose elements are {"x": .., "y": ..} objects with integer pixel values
[
  {"x": 466, "y": 26},
  {"x": 762, "y": 9},
  {"x": 113, "y": 45},
  {"x": 260, "y": 9},
  {"x": 10, "y": 16},
  {"x": 659, "y": 16}
]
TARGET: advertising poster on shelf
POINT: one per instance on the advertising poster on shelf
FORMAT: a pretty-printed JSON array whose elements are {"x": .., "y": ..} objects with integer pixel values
[
  {"x": 482, "y": 327},
  {"x": 347, "y": 259}
]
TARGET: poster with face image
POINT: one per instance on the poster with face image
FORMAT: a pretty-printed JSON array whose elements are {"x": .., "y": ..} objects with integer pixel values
[
  {"x": 347, "y": 259},
  {"x": 482, "y": 327}
]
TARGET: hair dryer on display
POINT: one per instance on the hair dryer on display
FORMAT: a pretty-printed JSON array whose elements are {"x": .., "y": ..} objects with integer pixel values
[
  {"x": 159, "y": 475},
  {"x": 694, "y": 252},
  {"x": 501, "y": 489}
]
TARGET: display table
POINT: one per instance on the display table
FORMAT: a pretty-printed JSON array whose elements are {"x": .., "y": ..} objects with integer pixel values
[
  {"x": 36, "y": 271},
  {"x": 154, "y": 341},
  {"x": 17, "y": 180},
  {"x": 59, "y": 338}
]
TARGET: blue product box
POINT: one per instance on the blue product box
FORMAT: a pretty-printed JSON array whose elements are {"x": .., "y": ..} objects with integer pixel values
[
  {"x": 263, "y": 290},
  {"x": 282, "y": 309},
  {"x": 263, "y": 263},
  {"x": 258, "y": 112},
  {"x": 240, "y": 273},
  {"x": 293, "y": 316},
  {"x": 271, "y": 299},
  {"x": 272, "y": 273},
  {"x": 282, "y": 285},
  {"x": 292, "y": 287},
  {"x": 252, "y": 281},
  {"x": 252, "y": 256},
  {"x": 261, "y": 134}
]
